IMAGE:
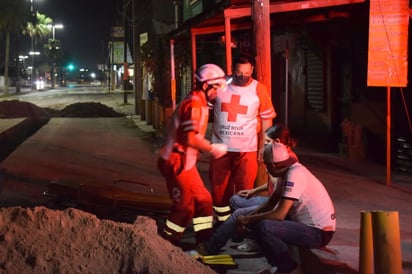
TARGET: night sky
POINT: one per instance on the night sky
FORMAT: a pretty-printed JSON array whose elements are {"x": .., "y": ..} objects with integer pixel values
[{"x": 87, "y": 26}]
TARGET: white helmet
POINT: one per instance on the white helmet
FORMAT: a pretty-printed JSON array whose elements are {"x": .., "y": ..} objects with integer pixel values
[{"x": 211, "y": 74}]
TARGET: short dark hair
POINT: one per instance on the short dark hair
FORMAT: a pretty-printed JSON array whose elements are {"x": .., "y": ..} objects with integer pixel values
[
  {"x": 281, "y": 132},
  {"x": 244, "y": 58}
]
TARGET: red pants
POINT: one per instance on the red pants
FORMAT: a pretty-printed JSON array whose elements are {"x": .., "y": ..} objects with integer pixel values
[
  {"x": 229, "y": 174},
  {"x": 192, "y": 201}
]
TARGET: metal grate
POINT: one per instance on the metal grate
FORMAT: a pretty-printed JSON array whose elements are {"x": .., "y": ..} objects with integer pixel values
[
  {"x": 314, "y": 80},
  {"x": 402, "y": 153}
]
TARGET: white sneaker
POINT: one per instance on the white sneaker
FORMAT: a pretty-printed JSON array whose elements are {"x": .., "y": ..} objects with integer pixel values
[
  {"x": 271, "y": 270},
  {"x": 249, "y": 246},
  {"x": 194, "y": 254}
]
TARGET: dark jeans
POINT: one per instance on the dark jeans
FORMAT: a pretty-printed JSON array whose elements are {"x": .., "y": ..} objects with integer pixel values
[
  {"x": 237, "y": 201},
  {"x": 275, "y": 236},
  {"x": 226, "y": 230}
]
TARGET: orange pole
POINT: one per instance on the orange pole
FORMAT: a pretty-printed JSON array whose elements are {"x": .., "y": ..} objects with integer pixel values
[
  {"x": 261, "y": 26},
  {"x": 194, "y": 55},
  {"x": 388, "y": 138},
  {"x": 228, "y": 46},
  {"x": 172, "y": 73},
  {"x": 261, "y": 20}
]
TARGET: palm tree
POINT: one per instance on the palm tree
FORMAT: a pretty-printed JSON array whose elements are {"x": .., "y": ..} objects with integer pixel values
[
  {"x": 14, "y": 15},
  {"x": 39, "y": 29}
]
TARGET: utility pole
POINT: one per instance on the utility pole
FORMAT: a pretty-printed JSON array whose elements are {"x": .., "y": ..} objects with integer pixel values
[
  {"x": 32, "y": 74},
  {"x": 125, "y": 64},
  {"x": 137, "y": 64},
  {"x": 261, "y": 27}
]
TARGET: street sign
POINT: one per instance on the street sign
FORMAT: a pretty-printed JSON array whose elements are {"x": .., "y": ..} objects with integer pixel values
[
  {"x": 388, "y": 43},
  {"x": 117, "y": 32}
]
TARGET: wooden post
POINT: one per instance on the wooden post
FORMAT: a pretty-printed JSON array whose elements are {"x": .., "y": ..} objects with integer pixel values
[{"x": 261, "y": 26}]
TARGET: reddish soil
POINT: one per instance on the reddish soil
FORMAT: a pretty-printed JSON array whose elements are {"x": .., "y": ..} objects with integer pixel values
[
  {"x": 43, "y": 240},
  {"x": 40, "y": 240}
]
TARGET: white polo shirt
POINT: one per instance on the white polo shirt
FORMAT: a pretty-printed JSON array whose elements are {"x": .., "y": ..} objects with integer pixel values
[{"x": 313, "y": 205}]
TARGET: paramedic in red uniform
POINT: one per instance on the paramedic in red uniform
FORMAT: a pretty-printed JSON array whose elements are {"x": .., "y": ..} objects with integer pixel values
[
  {"x": 242, "y": 113},
  {"x": 191, "y": 201}
]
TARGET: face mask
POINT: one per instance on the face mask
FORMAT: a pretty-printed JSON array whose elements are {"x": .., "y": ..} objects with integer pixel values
[{"x": 241, "y": 80}]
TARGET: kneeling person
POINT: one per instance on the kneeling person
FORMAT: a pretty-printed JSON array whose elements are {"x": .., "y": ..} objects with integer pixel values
[{"x": 304, "y": 216}]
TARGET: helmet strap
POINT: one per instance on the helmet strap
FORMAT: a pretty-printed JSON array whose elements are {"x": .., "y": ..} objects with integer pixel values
[{"x": 209, "y": 87}]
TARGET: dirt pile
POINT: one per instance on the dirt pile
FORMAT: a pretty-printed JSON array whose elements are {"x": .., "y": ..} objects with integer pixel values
[
  {"x": 19, "y": 109},
  {"x": 90, "y": 109},
  {"x": 40, "y": 240}
]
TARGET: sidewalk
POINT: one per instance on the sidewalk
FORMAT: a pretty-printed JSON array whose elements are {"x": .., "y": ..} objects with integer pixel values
[
  {"x": 353, "y": 185},
  {"x": 12, "y": 91},
  {"x": 357, "y": 186}
]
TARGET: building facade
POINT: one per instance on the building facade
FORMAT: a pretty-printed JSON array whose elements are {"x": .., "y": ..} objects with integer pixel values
[{"x": 319, "y": 68}]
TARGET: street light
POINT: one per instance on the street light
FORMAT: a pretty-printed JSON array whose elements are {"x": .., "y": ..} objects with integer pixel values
[
  {"x": 56, "y": 47},
  {"x": 31, "y": 53},
  {"x": 54, "y": 27},
  {"x": 33, "y": 71},
  {"x": 21, "y": 59}
]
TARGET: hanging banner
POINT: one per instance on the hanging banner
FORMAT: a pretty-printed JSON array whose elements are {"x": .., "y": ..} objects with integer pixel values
[
  {"x": 116, "y": 49},
  {"x": 388, "y": 43}
]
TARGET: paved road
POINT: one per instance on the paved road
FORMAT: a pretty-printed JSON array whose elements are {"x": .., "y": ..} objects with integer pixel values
[
  {"x": 84, "y": 151},
  {"x": 59, "y": 98}
]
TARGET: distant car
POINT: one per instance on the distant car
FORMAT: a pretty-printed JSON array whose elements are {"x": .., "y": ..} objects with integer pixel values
[
  {"x": 39, "y": 84},
  {"x": 96, "y": 83}
]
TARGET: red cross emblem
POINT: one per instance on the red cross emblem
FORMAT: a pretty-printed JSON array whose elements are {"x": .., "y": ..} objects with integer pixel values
[{"x": 233, "y": 108}]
